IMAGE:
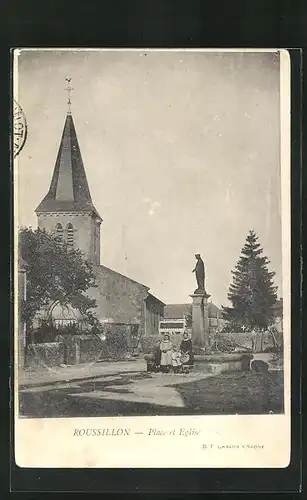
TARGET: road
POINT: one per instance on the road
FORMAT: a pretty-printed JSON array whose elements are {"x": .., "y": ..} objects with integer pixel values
[{"x": 131, "y": 394}]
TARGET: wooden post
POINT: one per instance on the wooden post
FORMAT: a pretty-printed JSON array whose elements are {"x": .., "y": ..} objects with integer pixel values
[
  {"x": 274, "y": 340},
  {"x": 262, "y": 338},
  {"x": 77, "y": 351}
]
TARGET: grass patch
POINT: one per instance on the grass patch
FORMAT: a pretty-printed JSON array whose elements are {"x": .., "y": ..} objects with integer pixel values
[{"x": 243, "y": 393}]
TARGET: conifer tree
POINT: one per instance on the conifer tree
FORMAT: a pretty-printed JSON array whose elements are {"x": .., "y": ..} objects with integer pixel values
[{"x": 252, "y": 292}]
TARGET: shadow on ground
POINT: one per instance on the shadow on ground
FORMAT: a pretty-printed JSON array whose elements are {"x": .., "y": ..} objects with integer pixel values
[{"x": 241, "y": 393}]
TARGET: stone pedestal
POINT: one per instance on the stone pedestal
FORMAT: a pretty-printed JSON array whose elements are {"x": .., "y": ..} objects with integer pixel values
[{"x": 200, "y": 320}]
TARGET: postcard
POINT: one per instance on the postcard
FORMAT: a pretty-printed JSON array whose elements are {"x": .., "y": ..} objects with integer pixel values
[{"x": 152, "y": 258}]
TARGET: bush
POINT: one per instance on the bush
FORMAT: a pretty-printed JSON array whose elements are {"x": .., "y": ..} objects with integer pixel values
[
  {"x": 149, "y": 343},
  {"x": 117, "y": 345},
  {"x": 92, "y": 349},
  {"x": 223, "y": 344}
]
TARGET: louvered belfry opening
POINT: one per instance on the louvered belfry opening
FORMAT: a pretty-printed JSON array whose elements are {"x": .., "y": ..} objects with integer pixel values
[
  {"x": 59, "y": 232},
  {"x": 70, "y": 235}
]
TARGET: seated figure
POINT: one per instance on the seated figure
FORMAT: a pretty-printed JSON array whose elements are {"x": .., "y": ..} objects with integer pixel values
[
  {"x": 176, "y": 360},
  {"x": 186, "y": 350}
]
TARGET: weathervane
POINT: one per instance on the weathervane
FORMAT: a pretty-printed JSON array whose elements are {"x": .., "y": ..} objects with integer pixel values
[{"x": 69, "y": 89}]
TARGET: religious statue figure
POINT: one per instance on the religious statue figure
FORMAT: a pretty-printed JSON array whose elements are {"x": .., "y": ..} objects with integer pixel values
[{"x": 200, "y": 274}]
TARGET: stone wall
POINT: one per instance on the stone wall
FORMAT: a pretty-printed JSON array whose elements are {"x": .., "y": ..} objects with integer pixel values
[{"x": 45, "y": 354}]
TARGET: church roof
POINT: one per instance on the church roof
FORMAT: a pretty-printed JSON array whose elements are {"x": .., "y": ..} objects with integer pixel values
[
  {"x": 155, "y": 299},
  {"x": 146, "y": 288},
  {"x": 69, "y": 190},
  {"x": 107, "y": 269}
]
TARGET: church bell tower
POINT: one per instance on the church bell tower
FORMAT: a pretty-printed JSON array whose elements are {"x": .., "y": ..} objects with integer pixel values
[{"x": 67, "y": 210}]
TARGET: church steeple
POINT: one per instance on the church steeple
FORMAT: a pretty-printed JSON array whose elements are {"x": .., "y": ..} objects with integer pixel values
[
  {"x": 68, "y": 202},
  {"x": 69, "y": 188}
]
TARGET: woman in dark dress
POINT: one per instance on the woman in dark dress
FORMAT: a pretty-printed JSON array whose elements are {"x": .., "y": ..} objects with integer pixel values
[{"x": 186, "y": 350}]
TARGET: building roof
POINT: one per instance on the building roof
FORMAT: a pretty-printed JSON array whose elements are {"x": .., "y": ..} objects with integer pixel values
[
  {"x": 108, "y": 269},
  {"x": 152, "y": 297},
  {"x": 69, "y": 190},
  {"x": 173, "y": 311},
  {"x": 146, "y": 288}
]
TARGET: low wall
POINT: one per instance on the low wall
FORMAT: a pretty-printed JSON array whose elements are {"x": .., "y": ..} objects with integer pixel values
[
  {"x": 250, "y": 340},
  {"x": 86, "y": 348},
  {"x": 45, "y": 354},
  {"x": 69, "y": 351},
  {"x": 83, "y": 348},
  {"x": 222, "y": 363}
]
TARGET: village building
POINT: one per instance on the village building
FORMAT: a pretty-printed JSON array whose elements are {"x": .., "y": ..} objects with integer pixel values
[
  {"x": 68, "y": 211},
  {"x": 177, "y": 318}
]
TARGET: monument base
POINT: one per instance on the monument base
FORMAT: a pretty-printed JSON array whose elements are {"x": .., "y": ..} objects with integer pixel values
[
  {"x": 200, "y": 320},
  {"x": 222, "y": 363}
]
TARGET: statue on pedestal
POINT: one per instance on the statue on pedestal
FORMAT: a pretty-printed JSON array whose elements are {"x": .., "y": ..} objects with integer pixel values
[{"x": 199, "y": 271}]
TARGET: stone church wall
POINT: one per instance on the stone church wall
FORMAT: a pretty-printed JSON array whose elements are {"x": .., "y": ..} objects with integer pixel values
[
  {"x": 84, "y": 230},
  {"x": 119, "y": 299}
]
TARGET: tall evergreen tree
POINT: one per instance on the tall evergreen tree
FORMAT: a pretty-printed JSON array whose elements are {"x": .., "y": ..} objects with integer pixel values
[{"x": 252, "y": 293}]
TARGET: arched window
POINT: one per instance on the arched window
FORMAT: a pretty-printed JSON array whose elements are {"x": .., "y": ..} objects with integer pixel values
[
  {"x": 59, "y": 232},
  {"x": 70, "y": 235}
]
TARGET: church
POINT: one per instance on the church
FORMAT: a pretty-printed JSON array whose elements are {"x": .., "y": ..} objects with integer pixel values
[{"x": 68, "y": 211}]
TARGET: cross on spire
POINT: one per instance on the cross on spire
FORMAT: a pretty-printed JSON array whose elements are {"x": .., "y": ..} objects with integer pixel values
[{"x": 69, "y": 89}]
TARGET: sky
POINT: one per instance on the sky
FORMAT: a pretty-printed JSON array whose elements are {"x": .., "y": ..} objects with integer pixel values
[{"x": 181, "y": 151}]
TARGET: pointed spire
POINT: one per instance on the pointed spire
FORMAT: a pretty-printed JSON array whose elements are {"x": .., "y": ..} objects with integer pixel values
[{"x": 69, "y": 190}]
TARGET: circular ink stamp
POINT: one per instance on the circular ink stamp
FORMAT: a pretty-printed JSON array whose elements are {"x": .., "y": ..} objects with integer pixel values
[{"x": 19, "y": 129}]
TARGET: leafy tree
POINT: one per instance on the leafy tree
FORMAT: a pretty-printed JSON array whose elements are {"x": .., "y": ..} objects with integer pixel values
[
  {"x": 252, "y": 292},
  {"x": 56, "y": 274}
]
